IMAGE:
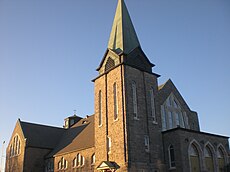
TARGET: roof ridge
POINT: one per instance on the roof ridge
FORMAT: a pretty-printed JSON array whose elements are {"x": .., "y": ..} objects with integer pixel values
[{"x": 42, "y": 125}]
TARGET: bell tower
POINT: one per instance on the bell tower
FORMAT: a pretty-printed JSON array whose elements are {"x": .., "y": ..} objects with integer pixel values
[{"x": 126, "y": 119}]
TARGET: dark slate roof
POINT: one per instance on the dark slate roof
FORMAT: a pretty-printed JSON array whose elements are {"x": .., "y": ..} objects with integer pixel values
[
  {"x": 79, "y": 136},
  {"x": 41, "y": 136},
  {"x": 193, "y": 131}
]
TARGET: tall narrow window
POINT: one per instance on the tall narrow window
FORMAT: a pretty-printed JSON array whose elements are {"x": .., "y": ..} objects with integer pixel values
[
  {"x": 115, "y": 101},
  {"x": 75, "y": 162},
  {"x": 134, "y": 90},
  {"x": 163, "y": 118},
  {"x": 194, "y": 158},
  {"x": 93, "y": 159},
  {"x": 186, "y": 120},
  {"x": 147, "y": 143},
  {"x": 171, "y": 156},
  {"x": 152, "y": 99},
  {"x": 78, "y": 159},
  {"x": 177, "y": 119},
  {"x": 82, "y": 160},
  {"x": 99, "y": 108},
  {"x": 62, "y": 164},
  {"x": 170, "y": 118},
  {"x": 221, "y": 160},
  {"x": 15, "y": 146},
  {"x": 208, "y": 159},
  {"x": 181, "y": 120}
]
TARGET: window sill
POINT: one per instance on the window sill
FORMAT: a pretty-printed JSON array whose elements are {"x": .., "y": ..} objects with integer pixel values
[
  {"x": 155, "y": 122},
  {"x": 80, "y": 166},
  {"x": 147, "y": 151},
  {"x": 115, "y": 120},
  {"x": 14, "y": 156},
  {"x": 135, "y": 118},
  {"x": 172, "y": 168}
]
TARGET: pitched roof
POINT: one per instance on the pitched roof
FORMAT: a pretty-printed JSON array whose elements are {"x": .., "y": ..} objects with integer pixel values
[
  {"x": 123, "y": 37},
  {"x": 79, "y": 136},
  {"x": 105, "y": 165},
  {"x": 166, "y": 89},
  {"x": 41, "y": 136}
]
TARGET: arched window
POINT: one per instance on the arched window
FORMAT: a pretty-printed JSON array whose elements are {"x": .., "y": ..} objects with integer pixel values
[
  {"x": 93, "y": 159},
  {"x": 15, "y": 146},
  {"x": 75, "y": 162},
  {"x": 221, "y": 160},
  {"x": 62, "y": 164},
  {"x": 100, "y": 108},
  {"x": 152, "y": 101},
  {"x": 194, "y": 158},
  {"x": 134, "y": 96},
  {"x": 78, "y": 161},
  {"x": 171, "y": 153},
  {"x": 115, "y": 101},
  {"x": 208, "y": 159},
  {"x": 172, "y": 114}
]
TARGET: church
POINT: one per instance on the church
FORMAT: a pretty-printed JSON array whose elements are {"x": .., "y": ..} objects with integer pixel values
[{"x": 137, "y": 125}]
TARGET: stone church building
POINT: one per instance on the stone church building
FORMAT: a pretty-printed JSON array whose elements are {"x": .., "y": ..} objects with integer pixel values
[{"x": 137, "y": 125}]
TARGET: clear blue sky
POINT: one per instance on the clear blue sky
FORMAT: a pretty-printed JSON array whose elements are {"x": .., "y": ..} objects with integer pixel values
[{"x": 49, "y": 50}]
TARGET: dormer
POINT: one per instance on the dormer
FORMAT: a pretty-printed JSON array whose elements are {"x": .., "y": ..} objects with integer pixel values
[{"x": 70, "y": 121}]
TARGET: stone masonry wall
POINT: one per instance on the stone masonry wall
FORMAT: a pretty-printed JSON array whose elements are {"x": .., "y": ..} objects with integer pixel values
[
  {"x": 15, "y": 163},
  {"x": 69, "y": 157},
  {"x": 144, "y": 125},
  {"x": 181, "y": 139},
  {"x": 34, "y": 159}
]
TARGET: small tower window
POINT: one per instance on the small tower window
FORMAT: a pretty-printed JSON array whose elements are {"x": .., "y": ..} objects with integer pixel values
[
  {"x": 109, "y": 145},
  {"x": 134, "y": 92},
  {"x": 115, "y": 101},
  {"x": 152, "y": 101},
  {"x": 99, "y": 108},
  {"x": 171, "y": 156},
  {"x": 147, "y": 143}
]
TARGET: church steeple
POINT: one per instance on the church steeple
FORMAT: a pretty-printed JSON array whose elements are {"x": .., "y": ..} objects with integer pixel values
[
  {"x": 123, "y": 37},
  {"x": 124, "y": 47}
]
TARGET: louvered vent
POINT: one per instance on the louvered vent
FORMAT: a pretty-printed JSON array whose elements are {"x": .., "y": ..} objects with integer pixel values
[{"x": 109, "y": 64}]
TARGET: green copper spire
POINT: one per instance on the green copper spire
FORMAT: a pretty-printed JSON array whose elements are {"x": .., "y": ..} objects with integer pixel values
[{"x": 123, "y": 37}]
